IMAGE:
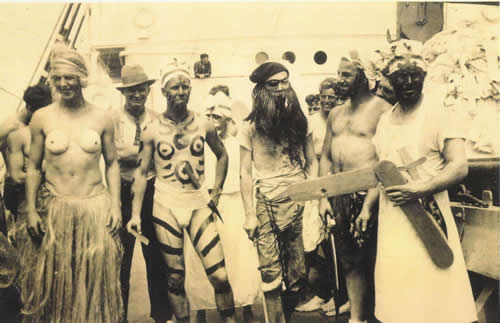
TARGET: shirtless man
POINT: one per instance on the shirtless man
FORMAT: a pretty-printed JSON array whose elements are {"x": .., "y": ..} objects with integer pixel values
[
  {"x": 15, "y": 156},
  {"x": 348, "y": 146},
  {"x": 175, "y": 143},
  {"x": 17, "y": 149}
]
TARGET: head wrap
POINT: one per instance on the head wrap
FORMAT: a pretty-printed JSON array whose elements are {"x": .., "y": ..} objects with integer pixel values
[
  {"x": 68, "y": 61},
  {"x": 403, "y": 53},
  {"x": 174, "y": 68},
  {"x": 219, "y": 104},
  {"x": 354, "y": 58},
  {"x": 266, "y": 70},
  {"x": 37, "y": 96}
]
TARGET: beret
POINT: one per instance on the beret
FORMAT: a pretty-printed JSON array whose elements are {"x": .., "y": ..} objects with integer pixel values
[{"x": 266, "y": 70}]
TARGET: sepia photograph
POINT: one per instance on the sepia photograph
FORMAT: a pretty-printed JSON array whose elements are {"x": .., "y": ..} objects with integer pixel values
[{"x": 250, "y": 161}]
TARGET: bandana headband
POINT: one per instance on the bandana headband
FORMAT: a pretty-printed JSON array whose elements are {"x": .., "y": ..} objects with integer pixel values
[
  {"x": 173, "y": 73},
  {"x": 400, "y": 62}
]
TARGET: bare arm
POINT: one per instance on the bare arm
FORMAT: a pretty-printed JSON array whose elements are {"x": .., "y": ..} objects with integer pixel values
[
  {"x": 454, "y": 172},
  {"x": 220, "y": 152},
  {"x": 146, "y": 149},
  {"x": 12, "y": 123},
  {"x": 15, "y": 156},
  {"x": 325, "y": 162},
  {"x": 112, "y": 173},
  {"x": 325, "y": 166},
  {"x": 33, "y": 174},
  {"x": 312, "y": 166},
  {"x": 246, "y": 187}
]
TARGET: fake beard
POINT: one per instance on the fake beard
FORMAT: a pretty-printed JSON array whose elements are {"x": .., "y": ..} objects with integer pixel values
[{"x": 277, "y": 109}]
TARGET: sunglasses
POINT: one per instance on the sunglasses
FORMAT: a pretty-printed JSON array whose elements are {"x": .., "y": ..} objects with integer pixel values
[{"x": 274, "y": 83}]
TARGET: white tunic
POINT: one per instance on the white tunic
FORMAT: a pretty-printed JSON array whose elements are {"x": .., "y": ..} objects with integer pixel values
[{"x": 408, "y": 286}]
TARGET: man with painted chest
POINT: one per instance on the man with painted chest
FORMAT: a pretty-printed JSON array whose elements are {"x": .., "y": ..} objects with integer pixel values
[{"x": 175, "y": 144}]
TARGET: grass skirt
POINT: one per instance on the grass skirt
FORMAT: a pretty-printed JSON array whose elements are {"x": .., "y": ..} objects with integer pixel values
[{"x": 73, "y": 273}]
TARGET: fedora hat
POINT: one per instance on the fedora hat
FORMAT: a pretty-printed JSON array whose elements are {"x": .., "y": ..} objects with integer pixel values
[{"x": 133, "y": 75}]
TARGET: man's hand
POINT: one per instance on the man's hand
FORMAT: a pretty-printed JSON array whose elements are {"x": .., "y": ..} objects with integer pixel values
[
  {"x": 363, "y": 219},
  {"x": 401, "y": 194},
  {"x": 326, "y": 213},
  {"x": 134, "y": 225},
  {"x": 115, "y": 220},
  {"x": 34, "y": 225},
  {"x": 251, "y": 226},
  {"x": 215, "y": 195}
]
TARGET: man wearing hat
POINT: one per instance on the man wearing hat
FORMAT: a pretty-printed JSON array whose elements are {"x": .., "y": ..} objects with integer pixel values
[
  {"x": 130, "y": 121},
  {"x": 348, "y": 146},
  {"x": 276, "y": 141},
  {"x": 174, "y": 144}
]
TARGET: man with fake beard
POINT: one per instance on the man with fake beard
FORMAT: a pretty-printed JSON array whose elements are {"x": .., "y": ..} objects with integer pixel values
[
  {"x": 347, "y": 147},
  {"x": 175, "y": 144},
  {"x": 275, "y": 140},
  {"x": 409, "y": 286}
]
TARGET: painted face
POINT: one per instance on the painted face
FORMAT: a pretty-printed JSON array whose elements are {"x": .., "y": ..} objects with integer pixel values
[
  {"x": 349, "y": 79},
  {"x": 408, "y": 83},
  {"x": 277, "y": 82},
  {"x": 177, "y": 91},
  {"x": 386, "y": 92},
  {"x": 136, "y": 96},
  {"x": 328, "y": 100},
  {"x": 67, "y": 85}
]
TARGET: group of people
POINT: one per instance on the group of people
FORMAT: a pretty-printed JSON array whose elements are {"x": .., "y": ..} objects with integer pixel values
[{"x": 210, "y": 193}]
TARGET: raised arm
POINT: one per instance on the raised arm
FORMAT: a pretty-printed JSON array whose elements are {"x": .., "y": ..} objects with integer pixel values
[
  {"x": 34, "y": 174},
  {"x": 220, "y": 152},
  {"x": 112, "y": 172},
  {"x": 146, "y": 150}
]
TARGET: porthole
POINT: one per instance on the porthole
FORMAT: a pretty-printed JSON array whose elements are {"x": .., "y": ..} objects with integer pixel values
[{"x": 320, "y": 57}]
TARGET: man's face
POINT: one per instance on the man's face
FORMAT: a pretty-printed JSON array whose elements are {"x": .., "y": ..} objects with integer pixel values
[
  {"x": 386, "y": 92},
  {"x": 68, "y": 85},
  {"x": 315, "y": 106},
  {"x": 408, "y": 83},
  {"x": 177, "y": 91},
  {"x": 204, "y": 60},
  {"x": 349, "y": 79},
  {"x": 220, "y": 123},
  {"x": 136, "y": 96},
  {"x": 328, "y": 100},
  {"x": 277, "y": 83}
]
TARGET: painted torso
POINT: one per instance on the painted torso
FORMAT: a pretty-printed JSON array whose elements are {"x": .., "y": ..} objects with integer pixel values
[{"x": 176, "y": 144}]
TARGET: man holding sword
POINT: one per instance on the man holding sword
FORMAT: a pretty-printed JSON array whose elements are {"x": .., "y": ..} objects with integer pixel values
[
  {"x": 175, "y": 144},
  {"x": 348, "y": 146}
]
